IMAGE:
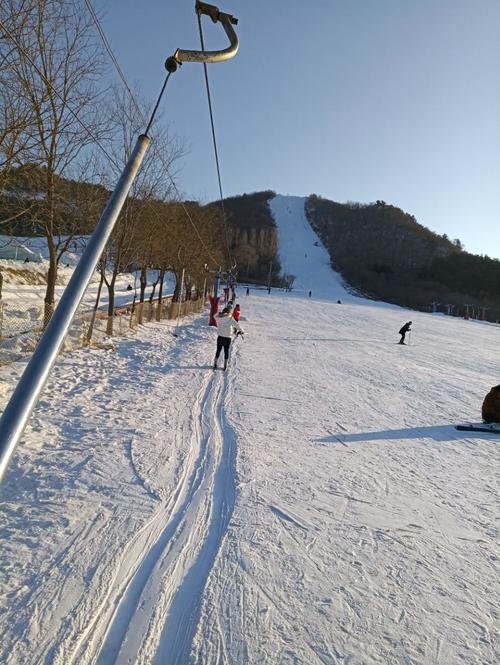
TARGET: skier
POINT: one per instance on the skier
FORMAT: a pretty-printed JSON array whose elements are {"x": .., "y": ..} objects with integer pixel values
[
  {"x": 406, "y": 328},
  {"x": 225, "y": 326},
  {"x": 248, "y": 291},
  {"x": 310, "y": 293},
  {"x": 236, "y": 312}
]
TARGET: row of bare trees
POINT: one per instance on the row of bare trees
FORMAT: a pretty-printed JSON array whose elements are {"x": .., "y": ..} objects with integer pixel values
[
  {"x": 156, "y": 236},
  {"x": 60, "y": 130},
  {"x": 50, "y": 69}
]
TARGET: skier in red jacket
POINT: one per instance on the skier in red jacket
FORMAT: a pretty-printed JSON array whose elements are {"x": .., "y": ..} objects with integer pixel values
[{"x": 236, "y": 313}]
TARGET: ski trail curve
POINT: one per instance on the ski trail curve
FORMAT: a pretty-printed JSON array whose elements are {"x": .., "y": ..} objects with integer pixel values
[
  {"x": 155, "y": 616},
  {"x": 182, "y": 621},
  {"x": 109, "y": 620}
]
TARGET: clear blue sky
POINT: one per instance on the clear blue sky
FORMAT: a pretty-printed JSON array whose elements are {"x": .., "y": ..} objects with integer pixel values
[{"x": 350, "y": 99}]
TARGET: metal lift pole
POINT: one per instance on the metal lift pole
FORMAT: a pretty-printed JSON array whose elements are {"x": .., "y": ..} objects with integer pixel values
[{"x": 32, "y": 382}]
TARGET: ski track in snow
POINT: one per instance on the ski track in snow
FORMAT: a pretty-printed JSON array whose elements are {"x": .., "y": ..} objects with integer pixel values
[
  {"x": 314, "y": 505},
  {"x": 149, "y": 570},
  {"x": 168, "y": 584}
]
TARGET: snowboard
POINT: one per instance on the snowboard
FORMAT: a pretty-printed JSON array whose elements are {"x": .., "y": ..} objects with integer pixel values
[{"x": 492, "y": 428}]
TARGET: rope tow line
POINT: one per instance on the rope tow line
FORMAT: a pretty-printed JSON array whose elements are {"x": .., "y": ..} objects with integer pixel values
[
  {"x": 214, "y": 140},
  {"x": 205, "y": 57},
  {"x": 171, "y": 67}
]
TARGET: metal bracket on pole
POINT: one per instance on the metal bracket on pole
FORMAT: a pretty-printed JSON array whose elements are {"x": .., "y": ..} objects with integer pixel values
[{"x": 227, "y": 21}]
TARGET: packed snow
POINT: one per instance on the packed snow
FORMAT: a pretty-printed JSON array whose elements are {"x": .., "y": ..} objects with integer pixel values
[
  {"x": 24, "y": 284},
  {"x": 314, "y": 504},
  {"x": 302, "y": 253}
]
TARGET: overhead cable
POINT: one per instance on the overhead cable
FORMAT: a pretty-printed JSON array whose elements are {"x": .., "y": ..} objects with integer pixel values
[
  {"x": 214, "y": 139},
  {"x": 160, "y": 156}
]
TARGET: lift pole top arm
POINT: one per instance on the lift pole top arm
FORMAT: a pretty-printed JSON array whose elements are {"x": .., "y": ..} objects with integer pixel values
[{"x": 227, "y": 21}]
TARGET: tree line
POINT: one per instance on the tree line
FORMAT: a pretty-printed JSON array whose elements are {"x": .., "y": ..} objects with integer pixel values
[
  {"x": 384, "y": 253},
  {"x": 253, "y": 238}
]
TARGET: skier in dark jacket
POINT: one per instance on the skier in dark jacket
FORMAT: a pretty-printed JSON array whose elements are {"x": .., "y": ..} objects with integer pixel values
[{"x": 406, "y": 328}]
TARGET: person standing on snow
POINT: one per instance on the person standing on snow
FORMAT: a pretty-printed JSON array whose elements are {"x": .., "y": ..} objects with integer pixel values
[
  {"x": 406, "y": 328},
  {"x": 225, "y": 326},
  {"x": 236, "y": 312}
]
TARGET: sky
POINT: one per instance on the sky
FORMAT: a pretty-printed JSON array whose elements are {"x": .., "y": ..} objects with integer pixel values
[{"x": 354, "y": 100}]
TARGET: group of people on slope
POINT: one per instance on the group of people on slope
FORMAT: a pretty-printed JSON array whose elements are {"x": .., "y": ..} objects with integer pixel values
[{"x": 227, "y": 326}]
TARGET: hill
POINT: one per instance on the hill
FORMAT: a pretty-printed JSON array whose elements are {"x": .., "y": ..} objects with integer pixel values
[
  {"x": 252, "y": 236},
  {"x": 314, "y": 504},
  {"x": 379, "y": 249},
  {"x": 385, "y": 253}
]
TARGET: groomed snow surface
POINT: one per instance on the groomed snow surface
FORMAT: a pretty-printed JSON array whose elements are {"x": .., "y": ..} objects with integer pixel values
[
  {"x": 314, "y": 504},
  {"x": 302, "y": 253}
]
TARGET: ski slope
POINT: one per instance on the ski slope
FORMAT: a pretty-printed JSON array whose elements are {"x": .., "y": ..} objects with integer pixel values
[
  {"x": 313, "y": 505},
  {"x": 302, "y": 253}
]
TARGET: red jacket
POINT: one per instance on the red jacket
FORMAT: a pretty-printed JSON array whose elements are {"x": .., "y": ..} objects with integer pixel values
[{"x": 236, "y": 314}]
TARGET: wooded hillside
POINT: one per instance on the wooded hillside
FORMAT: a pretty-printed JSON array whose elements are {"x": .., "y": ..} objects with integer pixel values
[
  {"x": 253, "y": 238},
  {"x": 385, "y": 253}
]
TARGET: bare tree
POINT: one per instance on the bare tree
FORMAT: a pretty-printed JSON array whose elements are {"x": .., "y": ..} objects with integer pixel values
[
  {"x": 118, "y": 255},
  {"x": 17, "y": 121},
  {"x": 198, "y": 233},
  {"x": 56, "y": 65},
  {"x": 138, "y": 230}
]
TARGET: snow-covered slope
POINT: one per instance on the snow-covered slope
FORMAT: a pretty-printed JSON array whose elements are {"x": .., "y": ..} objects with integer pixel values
[
  {"x": 302, "y": 253},
  {"x": 314, "y": 505}
]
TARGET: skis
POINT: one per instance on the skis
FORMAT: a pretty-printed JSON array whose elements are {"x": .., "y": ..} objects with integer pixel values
[{"x": 491, "y": 428}]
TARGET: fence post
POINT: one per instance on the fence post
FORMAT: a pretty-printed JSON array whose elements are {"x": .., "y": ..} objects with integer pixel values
[{"x": 180, "y": 301}]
